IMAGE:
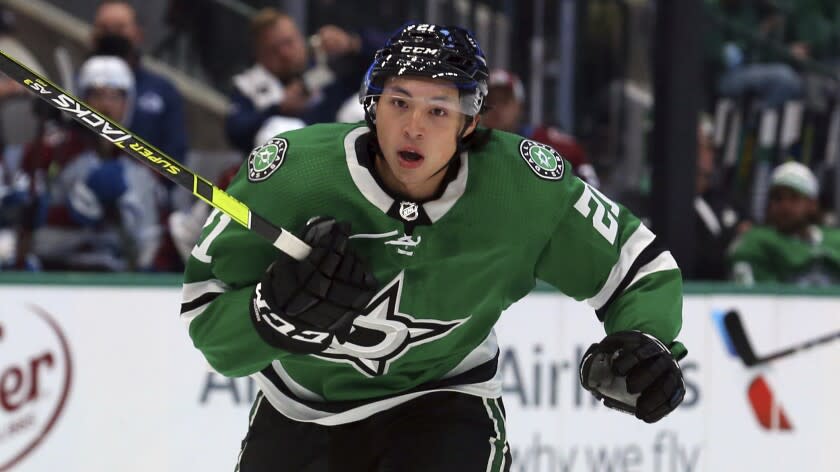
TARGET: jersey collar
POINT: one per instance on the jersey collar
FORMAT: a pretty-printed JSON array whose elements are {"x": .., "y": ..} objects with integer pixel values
[{"x": 375, "y": 194}]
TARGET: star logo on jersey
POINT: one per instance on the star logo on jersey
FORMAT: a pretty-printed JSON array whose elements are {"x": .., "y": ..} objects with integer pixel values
[
  {"x": 382, "y": 333},
  {"x": 264, "y": 160},
  {"x": 542, "y": 159}
]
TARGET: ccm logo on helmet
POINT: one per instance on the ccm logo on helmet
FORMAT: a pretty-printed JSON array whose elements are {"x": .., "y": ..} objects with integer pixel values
[{"x": 419, "y": 50}]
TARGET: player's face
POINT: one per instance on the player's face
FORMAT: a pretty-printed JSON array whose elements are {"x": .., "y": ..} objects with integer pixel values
[
  {"x": 111, "y": 102},
  {"x": 118, "y": 19},
  {"x": 789, "y": 211},
  {"x": 418, "y": 121}
]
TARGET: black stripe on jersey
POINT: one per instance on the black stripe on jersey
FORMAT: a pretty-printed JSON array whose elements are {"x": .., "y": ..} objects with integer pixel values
[
  {"x": 200, "y": 301},
  {"x": 478, "y": 374},
  {"x": 647, "y": 255}
]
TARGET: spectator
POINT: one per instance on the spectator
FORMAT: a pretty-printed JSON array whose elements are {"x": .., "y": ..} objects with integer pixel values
[
  {"x": 808, "y": 29},
  {"x": 281, "y": 81},
  {"x": 793, "y": 248},
  {"x": 93, "y": 208},
  {"x": 741, "y": 68},
  {"x": 157, "y": 114},
  {"x": 717, "y": 220},
  {"x": 506, "y": 112},
  {"x": 17, "y": 123}
]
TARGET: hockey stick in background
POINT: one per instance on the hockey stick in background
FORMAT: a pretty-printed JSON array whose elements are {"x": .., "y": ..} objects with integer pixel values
[
  {"x": 135, "y": 147},
  {"x": 736, "y": 332}
]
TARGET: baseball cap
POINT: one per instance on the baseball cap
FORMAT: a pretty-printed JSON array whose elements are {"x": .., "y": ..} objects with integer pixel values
[
  {"x": 797, "y": 177},
  {"x": 507, "y": 79}
]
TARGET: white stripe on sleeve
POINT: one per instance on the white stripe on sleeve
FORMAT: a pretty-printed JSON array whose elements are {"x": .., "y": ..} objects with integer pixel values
[
  {"x": 193, "y": 291},
  {"x": 664, "y": 261},
  {"x": 635, "y": 244}
]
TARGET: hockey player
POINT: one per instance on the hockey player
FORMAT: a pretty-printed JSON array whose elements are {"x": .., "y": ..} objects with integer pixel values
[
  {"x": 377, "y": 351},
  {"x": 92, "y": 207}
]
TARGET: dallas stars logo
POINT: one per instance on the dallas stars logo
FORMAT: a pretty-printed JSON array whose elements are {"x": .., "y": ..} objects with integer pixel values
[
  {"x": 382, "y": 333},
  {"x": 543, "y": 160},
  {"x": 264, "y": 160}
]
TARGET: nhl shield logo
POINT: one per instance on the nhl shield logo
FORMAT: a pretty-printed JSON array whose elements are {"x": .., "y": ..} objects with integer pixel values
[
  {"x": 264, "y": 160},
  {"x": 409, "y": 211},
  {"x": 543, "y": 160}
]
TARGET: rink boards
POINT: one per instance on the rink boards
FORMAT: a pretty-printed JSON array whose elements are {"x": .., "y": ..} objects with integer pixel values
[{"x": 98, "y": 377}]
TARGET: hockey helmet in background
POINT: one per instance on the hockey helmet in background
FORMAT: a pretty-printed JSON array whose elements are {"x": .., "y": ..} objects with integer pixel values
[{"x": 111, "y": 72}]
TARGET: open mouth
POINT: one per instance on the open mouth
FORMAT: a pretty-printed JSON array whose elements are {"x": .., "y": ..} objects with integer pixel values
[
  {"x": 410, "y": 156},
  {"x": 410, "y": 159}
]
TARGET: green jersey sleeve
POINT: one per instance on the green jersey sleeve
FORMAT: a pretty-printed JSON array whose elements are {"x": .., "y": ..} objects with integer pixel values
[
  {"x": 228, "y": 260},
  {"x": 601, "y": 253},
  {"x": 218, "y": 283}
]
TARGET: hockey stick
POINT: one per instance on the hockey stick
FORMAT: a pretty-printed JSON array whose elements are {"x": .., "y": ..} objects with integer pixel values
[
  {"x": 137, "y": 148},
  {"x": 736, "y": 332}
]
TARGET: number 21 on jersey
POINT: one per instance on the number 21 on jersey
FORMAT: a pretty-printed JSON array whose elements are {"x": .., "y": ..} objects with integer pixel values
[
  {"x": 605, "y": 222},
  {"x": 200, "y": 250}
]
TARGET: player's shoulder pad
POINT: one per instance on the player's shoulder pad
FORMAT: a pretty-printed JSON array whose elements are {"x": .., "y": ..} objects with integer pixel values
[
  {"x": 267, "y": 158},
  {"x": 543, "y": 160}
]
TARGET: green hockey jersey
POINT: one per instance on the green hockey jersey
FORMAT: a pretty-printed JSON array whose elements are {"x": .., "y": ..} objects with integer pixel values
[
  {"x": 510, "y": 214},
  {"x": 763, "y": 254}
]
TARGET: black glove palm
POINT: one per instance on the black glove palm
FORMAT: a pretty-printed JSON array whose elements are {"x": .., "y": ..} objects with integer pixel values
[
  {"x": 633, "y": 372},
  {"x": 301, "y": 305}
]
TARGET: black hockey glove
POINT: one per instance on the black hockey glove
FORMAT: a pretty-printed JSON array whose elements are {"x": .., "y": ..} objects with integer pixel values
[
  {"x": 635, "y": 373},
  {"x": 300, "y": 306}
]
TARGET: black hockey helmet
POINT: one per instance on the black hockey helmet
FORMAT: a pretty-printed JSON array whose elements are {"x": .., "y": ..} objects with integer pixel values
[{"x": 439, "y": 52}]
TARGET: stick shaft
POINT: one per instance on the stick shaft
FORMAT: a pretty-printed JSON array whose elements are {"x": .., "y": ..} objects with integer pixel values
[
  {"x": 137, "y": 148},
  {"x": 801, "y": 347}
]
